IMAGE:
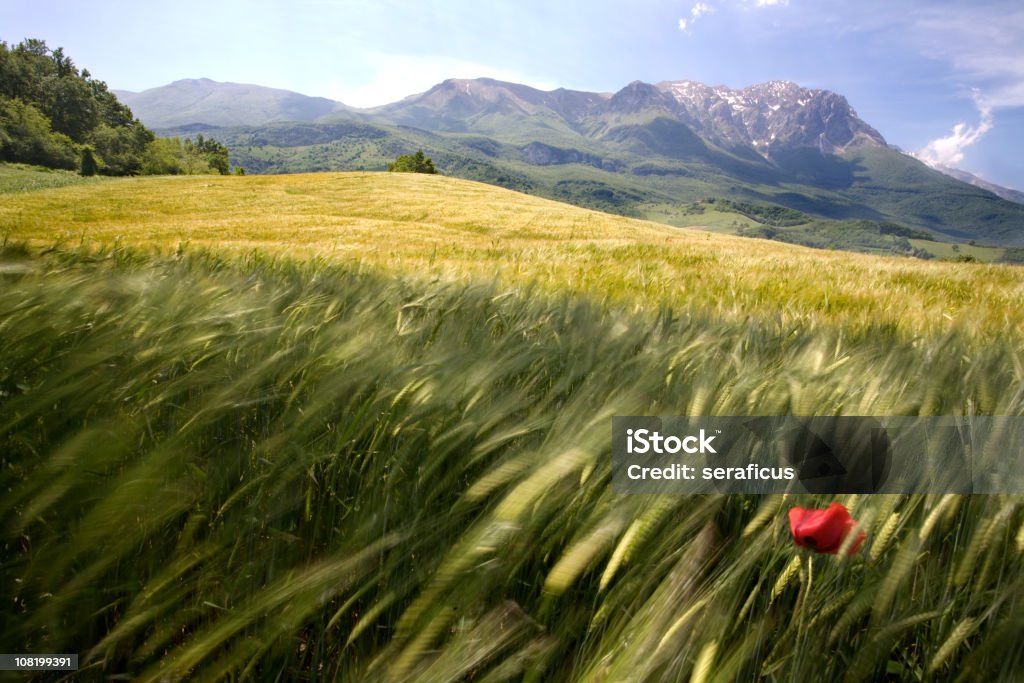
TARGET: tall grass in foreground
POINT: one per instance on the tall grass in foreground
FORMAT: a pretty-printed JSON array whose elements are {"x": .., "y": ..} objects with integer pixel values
[{"x": 283, "y": 470}]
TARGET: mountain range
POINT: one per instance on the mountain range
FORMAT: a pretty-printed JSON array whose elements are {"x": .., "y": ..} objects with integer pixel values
[
  {"x": 200, "y": 100},
  {"x": 659, "y": 151},
  {"x": 767, "y": 117}
]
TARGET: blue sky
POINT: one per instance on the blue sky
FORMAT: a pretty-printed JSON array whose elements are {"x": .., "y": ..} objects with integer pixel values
[{"x": 943, "y": 79}]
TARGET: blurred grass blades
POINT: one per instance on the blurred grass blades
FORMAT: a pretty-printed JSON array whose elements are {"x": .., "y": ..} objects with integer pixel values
[{"x": 233, "y": 465}]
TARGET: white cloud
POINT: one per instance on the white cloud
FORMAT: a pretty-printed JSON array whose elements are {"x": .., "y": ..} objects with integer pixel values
[
  {"x": 696, "y": 12},
  {"x": 949, "y": 150},
  {"x": 699, "y": 9},
  {"x": 388, "y": 78},
  {"x": 772, "y": 3},
  {"x": 982, "y": 45}
]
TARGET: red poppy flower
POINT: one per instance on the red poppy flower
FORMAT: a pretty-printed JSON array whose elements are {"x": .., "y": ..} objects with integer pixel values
[{"x": 824, "y": 530}]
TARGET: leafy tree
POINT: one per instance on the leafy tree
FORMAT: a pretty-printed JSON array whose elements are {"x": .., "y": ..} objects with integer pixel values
[
  {"x": 73, "y": 110},
  {"x": 215, "y": 153},
  {"x": 89, "y": 165},
  {"x": 122, "y": 148},
  {"x": 173, "y": 156},
  {"x": 412, "y": 163},
  {"x": 26, "y": 136},
  {"x": 168, "y": 156}
]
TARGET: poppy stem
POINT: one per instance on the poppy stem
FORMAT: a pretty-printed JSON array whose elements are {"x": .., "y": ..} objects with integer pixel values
[{"x": 806, "y": 578}]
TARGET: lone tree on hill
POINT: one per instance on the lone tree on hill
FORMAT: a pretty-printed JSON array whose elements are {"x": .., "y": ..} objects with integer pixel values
[{"x": 412, "y": 163}]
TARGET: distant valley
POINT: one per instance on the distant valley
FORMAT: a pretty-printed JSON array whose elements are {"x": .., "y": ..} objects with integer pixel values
[{"x": 669, "y": 152}]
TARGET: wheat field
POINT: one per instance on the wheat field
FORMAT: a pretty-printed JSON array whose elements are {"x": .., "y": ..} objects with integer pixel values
[
  {"x": 355, "y": 427},
  {"x": 456, "y": 229}
]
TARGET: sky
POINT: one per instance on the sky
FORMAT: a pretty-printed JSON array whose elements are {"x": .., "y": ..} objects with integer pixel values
[{"x": 941, "y": 79}]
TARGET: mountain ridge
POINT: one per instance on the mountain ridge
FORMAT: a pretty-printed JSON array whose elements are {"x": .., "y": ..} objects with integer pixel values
[
  {"x": 454, "y": 94},
  {"x": 189, "y": 101},
  {"x": 963, "y": 176}
]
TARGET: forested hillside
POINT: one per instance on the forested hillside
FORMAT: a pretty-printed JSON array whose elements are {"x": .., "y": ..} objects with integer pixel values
[{"x": 56, "y": 115}]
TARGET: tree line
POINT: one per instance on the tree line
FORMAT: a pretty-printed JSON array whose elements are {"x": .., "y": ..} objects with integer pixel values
[{"x": 56, "y": 115}]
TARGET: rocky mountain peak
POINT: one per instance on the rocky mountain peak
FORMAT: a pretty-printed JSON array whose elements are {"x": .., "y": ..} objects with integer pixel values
[
  {"x": 639, "y": 96},
  {"x": 777, "y": 90},
  {"x": 772, "y": 116}
]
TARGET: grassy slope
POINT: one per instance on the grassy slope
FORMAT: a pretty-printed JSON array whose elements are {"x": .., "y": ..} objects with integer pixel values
[
  {"x": 217, "y": 462},
  {"x": 927, "y": 198},
  {"x": 956, "y": 251},
  {"x": 455, "y": 228},
  {"x": 656, "y": 162},
  {"x": 23, "y": 178}
]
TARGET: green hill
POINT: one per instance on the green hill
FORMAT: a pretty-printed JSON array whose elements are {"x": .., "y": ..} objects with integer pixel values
[{"x": 926, "y": 198}]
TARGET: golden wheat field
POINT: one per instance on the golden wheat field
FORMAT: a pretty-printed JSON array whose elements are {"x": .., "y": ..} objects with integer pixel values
[{"x": 450, "y": 228}]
